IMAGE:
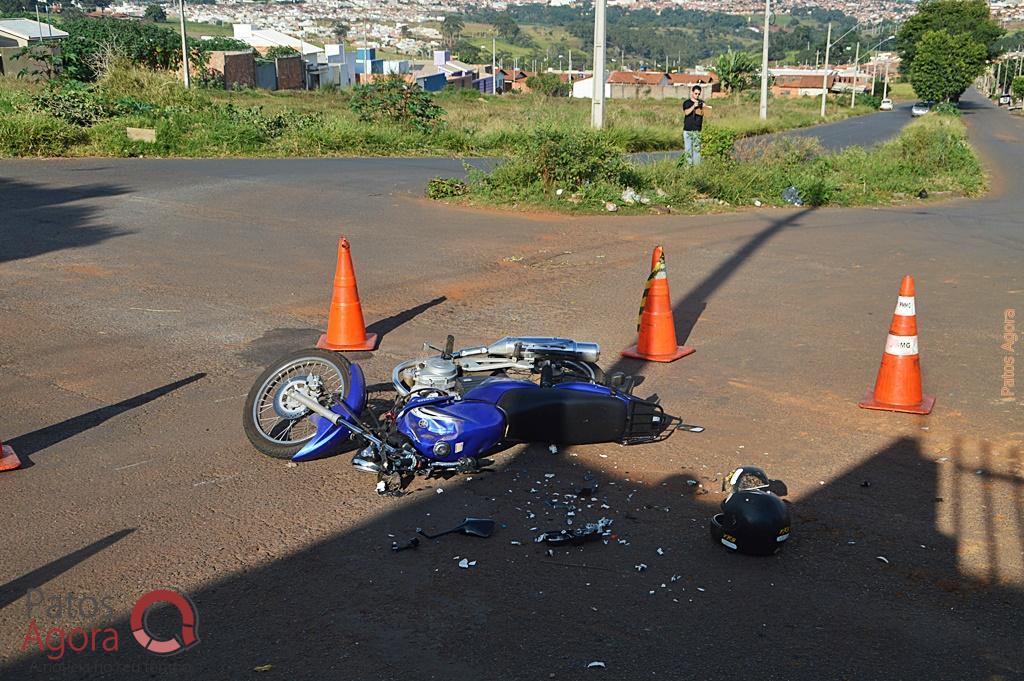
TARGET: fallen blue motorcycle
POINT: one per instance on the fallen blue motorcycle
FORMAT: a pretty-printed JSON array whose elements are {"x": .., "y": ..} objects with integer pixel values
[{"x": 451, "y": 409}]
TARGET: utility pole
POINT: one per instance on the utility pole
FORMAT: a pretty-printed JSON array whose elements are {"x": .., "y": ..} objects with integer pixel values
[
  {"x": 597, "y": 96},
  {"x": 570, "y": 65},
  {"x": 494, "y": 71},
  {"x": 824, "y": 78},
  {"x": 764, "y": 62},
  {"x": 874, "y": 75},
  {"x": 856, "y": 72},
  {"x": 817, "y": 58},
  {"x": 885, "y": 83},
  {"x": 184, "y": 48}
]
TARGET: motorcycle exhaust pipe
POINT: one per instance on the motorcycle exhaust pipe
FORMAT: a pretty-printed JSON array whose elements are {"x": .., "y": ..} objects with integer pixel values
[{"x": 526, "y": 346}]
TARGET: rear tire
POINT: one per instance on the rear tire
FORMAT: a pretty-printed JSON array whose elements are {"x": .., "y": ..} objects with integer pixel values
[{"x": 278, "y": 429}]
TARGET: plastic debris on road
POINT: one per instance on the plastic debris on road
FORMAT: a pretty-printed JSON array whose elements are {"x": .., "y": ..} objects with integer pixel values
[
  {"x": 791, "y": 195},
  {"x": 580, "y": 535},
  {"x": 596, "y": 664}
]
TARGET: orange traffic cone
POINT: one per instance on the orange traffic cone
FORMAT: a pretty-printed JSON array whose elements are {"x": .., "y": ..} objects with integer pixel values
[
  {"x": 656, "y": 327},
  {"x": 345, "y": 327},
  {"x": 898, "y": 387},
  {"x": 8, "y": 459}
]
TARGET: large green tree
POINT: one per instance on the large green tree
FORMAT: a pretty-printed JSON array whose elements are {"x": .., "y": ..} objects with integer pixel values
[
  {"x": 956, "y": 17},
  {"x": 451, "y": 30},
  {"x": 945, "y": 65},
  {"x": 155, "y": 13}
]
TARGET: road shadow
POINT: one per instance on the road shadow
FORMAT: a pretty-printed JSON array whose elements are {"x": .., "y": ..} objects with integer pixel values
[
  {"x": 825, "y": 607},
  {"x": 277, "y": 343},
  {"x": 688, "y": 310},
  {"x": 31, "y": 443},
  {"x": 383, "y": 327},
  {"x": 40, "y": 218},
  {"x": 17, "y": 588}
]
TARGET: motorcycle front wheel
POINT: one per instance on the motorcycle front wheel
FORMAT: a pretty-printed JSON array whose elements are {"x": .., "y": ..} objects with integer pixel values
[{"x": 278, "y": 426}]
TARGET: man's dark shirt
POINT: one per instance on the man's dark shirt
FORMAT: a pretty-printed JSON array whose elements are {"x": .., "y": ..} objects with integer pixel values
[{"x": 691, "y": 121}]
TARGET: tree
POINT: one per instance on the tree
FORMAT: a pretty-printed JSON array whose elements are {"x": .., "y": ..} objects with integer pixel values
[
  {"x": 945, "y": 65},
  {"x": 1017, "y": 87},
  {"x": 451, "y": 30},
  {"x": 280, "y": 51},
  {"x": 956, "y": 17},
  {"x": 141, "y": 43},
  {"x": 549, "y": 84},
  {"x": 341, "y": 30},
  {"x": 736, "y": 70},
  {"x": 155, "y": 13}
]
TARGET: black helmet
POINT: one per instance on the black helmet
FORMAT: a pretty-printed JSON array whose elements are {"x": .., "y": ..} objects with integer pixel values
[{"x": 753, "y": 519}]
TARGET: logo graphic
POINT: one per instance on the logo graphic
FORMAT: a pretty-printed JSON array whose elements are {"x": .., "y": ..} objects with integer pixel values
[{"x": 189, "y": 622}]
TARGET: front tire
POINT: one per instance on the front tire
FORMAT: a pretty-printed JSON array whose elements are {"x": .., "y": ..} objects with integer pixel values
[{"x": 279, "y": 427}]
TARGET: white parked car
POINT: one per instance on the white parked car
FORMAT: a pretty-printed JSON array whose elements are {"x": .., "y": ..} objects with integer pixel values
[
  {"x": 886, "y": 105},
  {"x": 920, "y": 109}
]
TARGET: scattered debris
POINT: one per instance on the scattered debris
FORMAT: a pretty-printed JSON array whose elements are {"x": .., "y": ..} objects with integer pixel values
[
  {"x": 640, "y": 567},
  {"x": 440, "y": 490},
  {"x": 630, "y": 196},
  {"x": 883, "y": 559},
  {"x": 596, "y": 664},
  {"x": 580, "y": 535},
  {"x": 263, "y": 668},
  {"x": 291, "y": 464},
  {"x": 661, "y": 551},
  {"x": 866, "y": 483},
  {"x": 757, "y": 202},
  {"x": 700, "y": 589},
  {"x": 474, "y": 527},
  {"x": 553, "y": 449},
  {"x": 464, "y": 563},
  {"x": 610, "y": 207},
  {"x": 559, "y": 191},
  {"x": 791, "y": 195},
  {"x": 411, "y": 544},
  {"x": 923, "y": 194}
]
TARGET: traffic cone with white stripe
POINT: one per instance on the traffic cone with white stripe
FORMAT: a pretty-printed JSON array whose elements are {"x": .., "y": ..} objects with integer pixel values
[
  {"x": 898, "y": 387},
  {"x": 9, "y": 461},
  {"x": 656, "y": 327}
]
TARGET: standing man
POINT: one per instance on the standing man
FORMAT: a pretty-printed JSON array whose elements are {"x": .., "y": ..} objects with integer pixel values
[{"x": 693, "y": 121}]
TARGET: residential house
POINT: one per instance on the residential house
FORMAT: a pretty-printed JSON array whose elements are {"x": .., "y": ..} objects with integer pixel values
[
  {"x": 709, "y": 83},
  {"x": 802, "y": 85},
  {"x": 638, "y": 78},
  {"x": 262, "y": 39},
  {"x": 16, "y": 35}
]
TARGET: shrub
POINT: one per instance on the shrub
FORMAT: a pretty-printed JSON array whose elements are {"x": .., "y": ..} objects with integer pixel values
[
  {"x": 70, "y": 102},
  {"x": 947, "y": 109},
  {"x": 717, "y": 143},
  {"x": 279, "y": 51},
  {"x": 570, "y": 159},
  {"x": 548, "y": 84},
  {"x": 393, "y": 99},
  {"x": 446, "y": 188}
]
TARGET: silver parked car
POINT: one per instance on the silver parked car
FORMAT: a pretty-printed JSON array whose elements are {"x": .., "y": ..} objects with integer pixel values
[{"x": 921, "y": 108}]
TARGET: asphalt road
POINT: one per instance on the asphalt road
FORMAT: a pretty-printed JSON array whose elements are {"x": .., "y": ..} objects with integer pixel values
[{"x": 140, "y": 298}]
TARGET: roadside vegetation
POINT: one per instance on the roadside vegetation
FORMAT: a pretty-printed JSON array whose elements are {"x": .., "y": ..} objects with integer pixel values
[
  {"x": 582, "y": 171},
  {"x": 71, "y": 118}
]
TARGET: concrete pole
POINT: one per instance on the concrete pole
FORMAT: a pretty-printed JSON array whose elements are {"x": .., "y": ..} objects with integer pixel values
[
  {"x": 570, "y": 66},
  {"x": 763, "y": 113},
  {"x": 885, "y": 83},
  {"x": 824, "y": 78},
  {"x": 494, "y": 71},
  {"x": 874, "y": 75},
  {"x": 597, "y": 96},
  {"x": 184, "y": 48},
  {"x": 856, "y": 71}
]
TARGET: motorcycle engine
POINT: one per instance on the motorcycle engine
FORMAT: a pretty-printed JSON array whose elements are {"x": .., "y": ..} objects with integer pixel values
[{"x": 435, "y": 373}]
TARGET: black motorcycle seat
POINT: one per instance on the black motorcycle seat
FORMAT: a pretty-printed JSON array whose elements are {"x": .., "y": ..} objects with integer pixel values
[{"x": 562, "y": 416}]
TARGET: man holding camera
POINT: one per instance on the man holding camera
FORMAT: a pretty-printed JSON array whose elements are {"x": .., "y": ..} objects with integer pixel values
[{"x": 693, "y": 120}]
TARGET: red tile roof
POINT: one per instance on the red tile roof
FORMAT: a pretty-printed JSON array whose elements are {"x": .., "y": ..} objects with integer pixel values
[{"x": 803, "y": 81}]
